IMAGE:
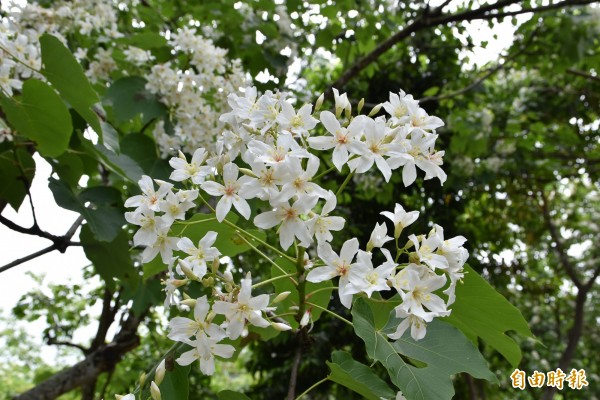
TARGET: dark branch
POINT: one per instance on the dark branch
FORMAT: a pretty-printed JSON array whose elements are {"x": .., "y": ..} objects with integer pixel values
[
  {"x": 583, "y": 74},
  {"x": 560, "y": 249},
  {"x": 53, "y": 341},
  {"x": 435, "y": 18},
  {"x": 60, "y": 243}
]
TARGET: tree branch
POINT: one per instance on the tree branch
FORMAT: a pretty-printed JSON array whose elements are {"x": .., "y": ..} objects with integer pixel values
[
  {"x": 507, "y": 60},
  {"x": 560, "y": 249},
  {"x": 435, "y": 18},
  {"x": 86, "y": 371},
  {"x": 53, "y": 341},
  {"x": 583, "y": 74},
  {"x": 61, "y": 243}
]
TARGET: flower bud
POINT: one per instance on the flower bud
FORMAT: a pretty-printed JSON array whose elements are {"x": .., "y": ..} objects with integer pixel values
[
  {"x": 375, "y": 110},
  {"x": 154, "y": 391},
  {"x": 281, "y": 297},
  {"x": 142, "y": 379},
  {"x": 208, "y": 282},
  {"x": 159, "y": 375},
  {"x": 215, "y": 265},
  {"x": 319, "y": 102},
  {"x": 361, "y": 104},
  {"x": 248, "y": 172},
  {"x": 191, "y": 303},
  {"x": 280, "y": 326},
  {"x": 187, "y": 271},
  {"x": 348, "y": 112},
  {"x": 228, "y": 277},
  {"x": 305, "y": 319}
]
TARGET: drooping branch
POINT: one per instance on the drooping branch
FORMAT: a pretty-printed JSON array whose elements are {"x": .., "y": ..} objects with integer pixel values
[
  {"x": 583, "y": 74},
  {"x": 60, "y": 243},
  {"x": 432, "y": 18},
  {"x": 501, "y": 65}
]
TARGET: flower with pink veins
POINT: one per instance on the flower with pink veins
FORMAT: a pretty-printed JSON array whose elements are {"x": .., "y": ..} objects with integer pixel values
[{"x": 230, "y": 192}]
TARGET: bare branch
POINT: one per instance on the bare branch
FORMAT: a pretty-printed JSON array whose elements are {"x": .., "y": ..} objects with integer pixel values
[
  {"x": 53, "y": 341},
  {"x": 560, "y": 249},
  {"x": 430, "y": 20},
  {"x": 487, "y": 74},
  {"x": 583, "y": 74},
  {"x": 60, "y": 243},
  {"x": 19, "y": 261}
]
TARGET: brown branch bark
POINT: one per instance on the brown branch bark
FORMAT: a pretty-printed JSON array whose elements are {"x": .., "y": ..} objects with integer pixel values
[
  {"x": 103, "y": 359},
  {"x": 561, "y": 252},
  {"x": 434, "y": 18},
  {"x": 295, "y": 367}
]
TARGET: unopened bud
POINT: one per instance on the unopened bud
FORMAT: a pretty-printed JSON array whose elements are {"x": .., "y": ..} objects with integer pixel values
[
  {"x": 281, "y": 297},
  {"x": 228, "y": 277},
  {"x": 248, "y": 172},
  {"x": 181, "y": 155},
  {"x": 211, "y": 315},
  {"x": 142, "y": 379},
  {"x": 179, "y": 282},
  {"x": 191, "y": 303},
  {"x": 305, "y": 319},
  {"x": 154, "y": 391},
  {"x": 280, "y": 326},
  {"x": 208, "y": 282},
  {"x": 348, "y": 112},
  {"x": 159, "y": 375},
  {"x": 186, "y": 296},
  {"x": 187, "y": 271},
  {"x": 375, "y": 110},
  {"x": 361, "y": 104},
  {"x": 215, "y": 265},
  {"x": 370, "y": 246},
  {"x": 228, "y": 287},
  {"x": 319, "y": 102}
]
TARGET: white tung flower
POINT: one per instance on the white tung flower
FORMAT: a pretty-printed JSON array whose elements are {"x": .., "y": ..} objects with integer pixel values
[{"x": 230, "y": 192}]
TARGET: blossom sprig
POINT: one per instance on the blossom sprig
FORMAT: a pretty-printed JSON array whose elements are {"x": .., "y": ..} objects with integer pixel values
[{"x": 266, "y": 167}]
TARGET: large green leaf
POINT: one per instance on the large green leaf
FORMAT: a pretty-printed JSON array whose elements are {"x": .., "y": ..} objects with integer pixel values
[
  {"x": 42, "y": 116},
  {"x": 129, "y": 97},
  {"x": 118, "y": 265},
  {"x": 357, "y": 377},
  {"x": 445, "y": 351},
  {"x": 317, "y": 293},
  {"x": 67, "y": 76},
  {"x": 18, "y": 169},
  {"x": 176, "y": 384},
  {"x": 104, "y": 220},
  {"x": 480, "y": 311}
]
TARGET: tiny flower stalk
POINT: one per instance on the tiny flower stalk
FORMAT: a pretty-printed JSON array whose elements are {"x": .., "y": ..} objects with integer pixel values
[{"x": 301, "y": 283}]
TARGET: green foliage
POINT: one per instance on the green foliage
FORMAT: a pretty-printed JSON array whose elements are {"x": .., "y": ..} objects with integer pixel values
[
  {"x": 445, "y": 351},
  {"x": 66, "y": 75},
  {"x": 480, "y": 311},
  {"x": 18, "y": 169},
  {"x": 129, "y": 97},
  {"x": 40, "y": 115},
  {"x": 357, "y": 377}
]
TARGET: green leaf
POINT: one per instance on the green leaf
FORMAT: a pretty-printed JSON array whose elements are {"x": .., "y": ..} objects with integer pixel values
[
  {"x": 129, "y": 97},
  {"x": 176, "y": 384},
  {"x": 144, "y": 40},
  {"x": 142, "y": 149},
  {"x": 69, "y": 167},
  {"x": 321, "y": 297},
  {"x": 231, "y": 395},
  {"x": 445, "y": 350},
  {"x": 18, "y": 169},
  {"x": 357, "y": 377},
  {"x": 104, "y": 221},
  {"x": 67, "y": 76},
  {"x": 480, "y": 311},
  {"x": 118, "y": 265},
  {"x": 42, "y": 116}
]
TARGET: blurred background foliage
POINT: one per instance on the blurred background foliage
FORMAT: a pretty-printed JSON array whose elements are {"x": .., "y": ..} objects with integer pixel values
[{"x": 522, "y": 157}]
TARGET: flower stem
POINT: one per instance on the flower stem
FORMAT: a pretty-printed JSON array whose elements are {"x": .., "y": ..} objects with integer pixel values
[
  {"x": 341, "y": 189},
  {"x": 271, "y": 280},
  {"x": 311, "y": 388},
  {"x": 331, "y": 312},
  {"x": 322, "y": 174},
  {"x": 268, "y": 259}
]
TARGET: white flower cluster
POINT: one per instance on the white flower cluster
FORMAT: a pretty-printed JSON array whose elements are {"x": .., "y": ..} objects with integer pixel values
[
  {"x": 194, "y": 92},
  {"x": 269, "y": 152},
  {"x": 21, "y": 29}
]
